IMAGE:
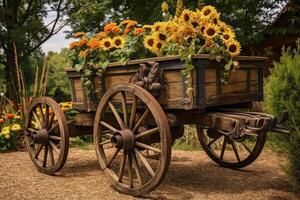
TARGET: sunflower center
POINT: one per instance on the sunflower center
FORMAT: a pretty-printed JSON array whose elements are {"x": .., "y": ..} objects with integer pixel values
[
  {"x": 162, "y": 37},
  {"x": 211, "y": 32},
  {"x": 226, "y": 37},
  {"x": 159, "y": 45},
  {"x": 118, "y": 42},
  {"x": 215, "y": 21},
  {"x": 202, "y": 29},
  {"x": 186, "y": 17},
  {"x": 207, "y": 12},
  {"x": 195, "y": 24},
  {"x": 150, "y": 42},
  {"x": 107, "y": 44},
  {"x": 232, "y": 48},
  {"x": 157, "y": 28}
]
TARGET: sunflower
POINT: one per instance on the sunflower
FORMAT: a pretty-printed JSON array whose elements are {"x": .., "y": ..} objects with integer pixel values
[
  {"x": 149, "y": 42},
  {"x": 158, "y": 46},
  {"x": 161, "y": 36},
  {"x": 209, "y": 44},
  {"x": 208, "y": 12},
  {"x": 186, "y": 16},
  {"x": 101, "y": 35},
  {"x": 224, "y": 27},
  {"x": 172, "y": 27},
  {"x": 159, "y": 26},
  {"x": 227, "y": 36},
  {"x": 79, "y": 34},
  {"x": 118, "y": 42},
  {"x": 195, "y": 19},
  {"x": 147, "y": 27},
  {"x": 107, "y": 44},
  {"x": 165, "y": 7},
  {"x": 211, "y": 31},
  {"x": 233, "y": 48}
]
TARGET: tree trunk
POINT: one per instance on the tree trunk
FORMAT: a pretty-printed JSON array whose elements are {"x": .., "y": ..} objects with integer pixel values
[{"x": 11, "y": 77}]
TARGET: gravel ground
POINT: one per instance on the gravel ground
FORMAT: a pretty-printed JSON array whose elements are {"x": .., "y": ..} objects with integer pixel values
[{"x": 191, "y": 176}]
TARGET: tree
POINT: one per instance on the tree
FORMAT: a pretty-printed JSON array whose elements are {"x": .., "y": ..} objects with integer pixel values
[{"x": 22, "y": 23}]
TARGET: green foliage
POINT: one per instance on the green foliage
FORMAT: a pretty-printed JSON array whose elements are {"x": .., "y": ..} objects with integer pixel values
[
  {"x": 189, "y": 141},
  {"x": 58, "y": 84},
  {"x": 283, "y": 93}
]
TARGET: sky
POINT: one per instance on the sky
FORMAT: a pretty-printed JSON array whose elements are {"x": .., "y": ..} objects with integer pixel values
[{"x": 57, "y": 42}]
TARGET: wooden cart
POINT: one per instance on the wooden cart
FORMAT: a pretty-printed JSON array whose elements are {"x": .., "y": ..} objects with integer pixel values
[{"x": 136, "y": 112}]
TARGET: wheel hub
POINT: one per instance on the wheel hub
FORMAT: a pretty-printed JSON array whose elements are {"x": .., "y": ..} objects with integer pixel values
[
  {"x": 40, "y": 136},
  {"x": 124, "y": 139}
]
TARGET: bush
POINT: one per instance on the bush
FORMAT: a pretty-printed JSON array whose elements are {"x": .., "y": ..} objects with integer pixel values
[{"x": 282, "y": 92}]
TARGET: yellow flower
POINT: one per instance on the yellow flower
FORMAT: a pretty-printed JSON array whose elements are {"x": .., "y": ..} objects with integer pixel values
[
  {"x": 209, "y": 44},
  {"x": 107, "y": 44},
  {"x": 147, "y": 27},
  {"x": 211, "y": 31},
  {"x": 233, "y": 48},
  {"x": 7, "y": 136},
  {"x": 84, "y": 53},
  {"x": 185, "y": 16},
  {"x": 161, "y": 36},
  {"x": 172, "y": 27},
  {"x": 16, "y": 127},
  {"x": 165, "y": 7},
  {"x": 149, "y": 42},
  {"x": 79, "y": 34},
  {"x": 159, "y": 26},
  {"x": 119, "y": 42},
  {"x": 195, "y": 19},
  {"x": 158, "y": 46},
  {"x": 5, "y": 130},
  {"x": 209, "y": 12},
  {"x": 227, "y": 36}
]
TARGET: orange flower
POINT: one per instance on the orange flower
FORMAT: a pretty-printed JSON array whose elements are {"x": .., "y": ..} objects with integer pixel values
[
  {"x": 94, "y": 44},
  {"x": 128, "y": 30},
  {"x": 109, "y": 27},
  {"x": 73, "y": 45},
  {"x": 101, "y": 35},
  {"x": 128, "y": 21},
  {"x": 79, "y": 34},
  {"x": 82, "y": 42},
  {"x": 2, "y": 121},
  {"x": 10, "y": 116},
  {"x": 115, "y": 29},
  {"x": 138, "y": 31}
]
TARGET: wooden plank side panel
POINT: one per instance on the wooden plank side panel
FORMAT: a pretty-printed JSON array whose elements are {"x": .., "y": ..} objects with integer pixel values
[{"x": 78, "y": 90}]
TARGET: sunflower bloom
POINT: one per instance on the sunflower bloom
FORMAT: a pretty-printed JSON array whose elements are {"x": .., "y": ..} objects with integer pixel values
[
  {"x": 209, "y": 12},
  {"x": 147, "y": 27},
  {"x": 161, "y": 36},
  {"x": 149, "y": 42},
  {"x": 186, "y": 16},
  {"x": 118, "y": 42},
  {"x": 211, "y": 31},
  {"x": 227, "y": 36},
  {"x": 159, "y": 26},
  {"x": 79, "y": 34},
  {"x": 233, "y": 48},
  {"x": 165, "y": 7},
  {"x": 107, "y": 44}
]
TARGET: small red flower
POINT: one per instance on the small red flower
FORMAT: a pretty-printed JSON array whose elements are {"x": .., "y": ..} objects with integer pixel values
[
  {"x": 2, "y": 121},
  {"x": 10, "y": 116}
]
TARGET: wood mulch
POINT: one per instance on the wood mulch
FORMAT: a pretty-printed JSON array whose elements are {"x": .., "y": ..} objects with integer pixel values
[{"x": 191, "y": 176}]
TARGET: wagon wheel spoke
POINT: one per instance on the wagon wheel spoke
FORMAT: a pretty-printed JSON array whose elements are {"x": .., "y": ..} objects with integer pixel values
[
  {"x": 42, "y": 116},
  {"x": 145, "y": 162},
  {"x": 235, "y": 151},
  {"x": 45, "y": 156},
  {"x": 105, "y": 142},
  {"x": 223, "y": 148},
  {"x": 51, "y": 119},
  {"x": 116, "y": 114},
  {"x": 113, "y": 157},
  {"x": 124, "y": 108},
  {"x": 141, "y": 120},
  {"x": 146, "y": 133},
  {"x": 114, "y": 130},
  {"x": 137, "y": 169},
  {"x": 36, "y": 118},
  {"x": 133, "y": 112},
  {"x": 52, "y": 137},
  {"x": 51, "y": 155},
  {"x": 213, "y": 141},
  {"x": 47, "y": 116},
  {"x": 121, "y": 171},
  {"x": 148, "y": 147},
  {"x": 53, "y": 128},
  {"x": 38, "y": 151},
  {"x": 130, "y": 170},
  {"x": 246, "y": 147},
  {"x": 54, "y": 147}
]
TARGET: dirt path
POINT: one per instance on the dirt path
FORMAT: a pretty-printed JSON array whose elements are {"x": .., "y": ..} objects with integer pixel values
[{"x": 191, "y": 176}]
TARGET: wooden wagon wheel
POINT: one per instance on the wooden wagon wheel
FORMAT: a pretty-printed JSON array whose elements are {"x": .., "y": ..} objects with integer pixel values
[
  {"x": 46, "y": 135},
  {"x": 119, "y": 141},
  {"x": 231, "y": 153}
]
